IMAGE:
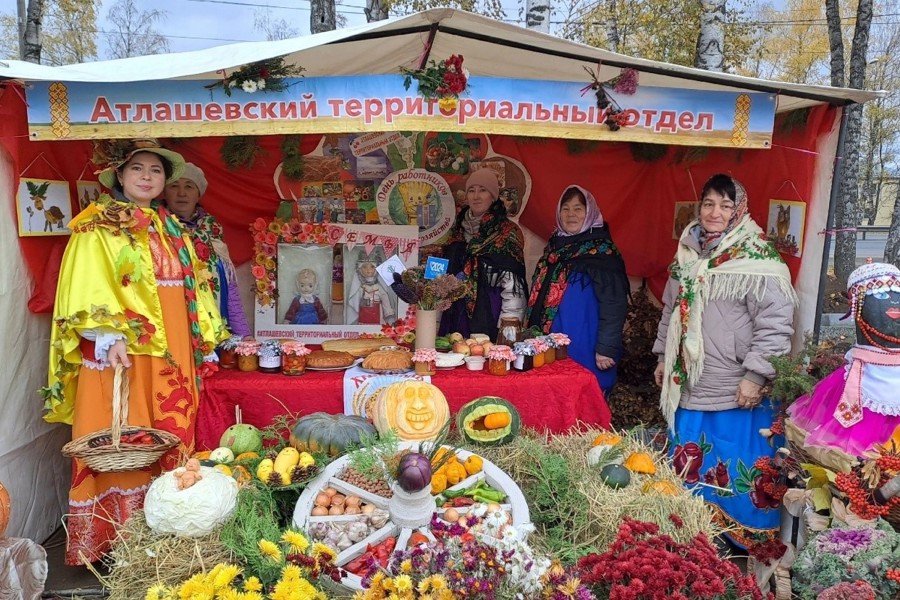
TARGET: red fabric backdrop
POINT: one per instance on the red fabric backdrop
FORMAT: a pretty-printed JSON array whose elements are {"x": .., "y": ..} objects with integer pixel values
[{"x": 636, "y": 197}]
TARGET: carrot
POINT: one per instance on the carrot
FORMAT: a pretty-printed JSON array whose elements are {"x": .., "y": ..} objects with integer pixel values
[{"x": 496, "y": 420}]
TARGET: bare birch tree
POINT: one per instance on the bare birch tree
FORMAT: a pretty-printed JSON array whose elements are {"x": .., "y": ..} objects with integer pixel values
[
  {"x": 134, "y": 32},
  {"x": 322, "y": 16},
  {"x": 846, "y": 215},
  {"x": 33, "y": 19},
  {"x": 710, "y": 54},
  {"x": 272, "y": 28},
  {"x": 537, "y": 15}
]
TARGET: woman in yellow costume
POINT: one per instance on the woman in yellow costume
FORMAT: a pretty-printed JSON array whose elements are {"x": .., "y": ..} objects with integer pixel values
[{"x": 132, "y": 293}]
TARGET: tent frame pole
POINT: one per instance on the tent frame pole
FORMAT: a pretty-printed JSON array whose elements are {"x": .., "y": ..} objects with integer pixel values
[{"x": 836, "y": 175}]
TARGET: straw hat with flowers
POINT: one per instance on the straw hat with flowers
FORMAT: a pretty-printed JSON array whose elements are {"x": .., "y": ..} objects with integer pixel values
[{"x": 112, "y": 154}]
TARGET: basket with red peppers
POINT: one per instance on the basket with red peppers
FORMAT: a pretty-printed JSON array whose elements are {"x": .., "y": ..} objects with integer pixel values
[{"x": 372, "y": 558}]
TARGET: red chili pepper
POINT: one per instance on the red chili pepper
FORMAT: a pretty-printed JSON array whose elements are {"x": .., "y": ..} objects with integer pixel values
[{"x": 461, "y": 501}]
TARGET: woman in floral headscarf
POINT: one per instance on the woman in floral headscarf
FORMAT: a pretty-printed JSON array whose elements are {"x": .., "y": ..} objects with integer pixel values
[
  {"x": 131, "y": 295},
  {"x": 580, "y": 287},
  {"x": 488, "y": 251},
  {"x": 727, "y": 308}
]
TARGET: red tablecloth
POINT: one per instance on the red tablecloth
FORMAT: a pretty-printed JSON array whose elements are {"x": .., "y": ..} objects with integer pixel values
[{"x": 552, "y": 397}]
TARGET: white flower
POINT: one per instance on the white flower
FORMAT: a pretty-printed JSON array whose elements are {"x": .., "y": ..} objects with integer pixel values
[
  {"x": 261, "y": 84},
  {"x": 249, "y": 86},
  {"x": 478, "y": 509},
  {"x": 465, "y": 72},
  {"x": 232, "y": 83}
]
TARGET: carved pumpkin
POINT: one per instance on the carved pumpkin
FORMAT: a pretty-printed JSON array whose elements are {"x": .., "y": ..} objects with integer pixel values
[
  {"x": 5, "y": 509},
  {"x": 662, "y": 486},
  {"x": 323, "y": 432},
  {"x": 488, "y": 421},
  {"x": 414, "y": 409}
]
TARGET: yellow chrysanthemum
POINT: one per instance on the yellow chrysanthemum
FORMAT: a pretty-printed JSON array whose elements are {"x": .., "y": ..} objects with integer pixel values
[
  {"x": 445, "y": 594},
  {"x": 291, "y": 572},
  {"x": 438, "y": 582},
  {"x": 306, "y": 590},
  {"x": 251, "y": 595},
  {"x": 448, "y": 103},
  {"x": 228, "y": 593},
  {"x": 406, "y": 566},
  {"x": 270, "y": 550},
  {"x": 253, "y": 584},
  {"x": 426, "y": 597},
  {"x": 424, "y": 586},
  {"x": 157, "y": 592},
  {"x": 320, "y": 548},
  {"x": 388, "y": 584},
  {"x": 403, "y": 583},
  {"x": 225, "y": 575},
  {"x": 296, "y": 540}
]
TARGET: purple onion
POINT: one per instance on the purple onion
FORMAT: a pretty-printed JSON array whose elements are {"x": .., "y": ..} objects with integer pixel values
[{"x": 414, "y": 472}]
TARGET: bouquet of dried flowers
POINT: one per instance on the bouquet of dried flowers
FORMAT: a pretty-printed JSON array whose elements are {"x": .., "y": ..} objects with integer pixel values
[
  {"x": 642, "y": 564},
  {"x": 626, "y": 82},
  {"x": 428, "y": 294},
  {"x": 849, "y": 554},
  {"x": 262, "y": 76},
  {"x": 443, "y": 80}
]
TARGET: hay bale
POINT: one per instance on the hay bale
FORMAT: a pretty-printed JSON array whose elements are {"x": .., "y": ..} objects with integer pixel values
[
  {"x": 140, "y": 559},
  {"x": 574, "y": 512}
]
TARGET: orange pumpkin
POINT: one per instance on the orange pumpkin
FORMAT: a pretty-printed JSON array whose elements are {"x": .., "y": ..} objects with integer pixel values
[
  {"x": 606, "y": 438},
  {"x": 662, "y": 486},
  {"x": 5, "y": 509},
  {"x": 640, "y": 462},
  {"x": 414, "y": 409}
]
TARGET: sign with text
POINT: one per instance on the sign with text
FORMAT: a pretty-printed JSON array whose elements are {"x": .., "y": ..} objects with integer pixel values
[
  {"x": 435, "y": 267},
  {"x": 379, "y": 103}
]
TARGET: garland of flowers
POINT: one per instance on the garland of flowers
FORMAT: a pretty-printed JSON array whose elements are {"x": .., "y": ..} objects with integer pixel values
[
  {"x": 266, "y": 237},
  {"x": 443, "y": 80},
  {"x": 262, "y": 76}
]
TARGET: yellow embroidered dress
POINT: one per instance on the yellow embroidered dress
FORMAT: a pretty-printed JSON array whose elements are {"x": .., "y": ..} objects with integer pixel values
[{"x": 129, "y": 272}]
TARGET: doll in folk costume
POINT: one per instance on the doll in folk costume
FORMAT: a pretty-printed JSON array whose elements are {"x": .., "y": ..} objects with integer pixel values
[
  {"x": 306, "y": 308},
  {"x": 856, "y": 408},
  {"x": 368, "y": 301}
]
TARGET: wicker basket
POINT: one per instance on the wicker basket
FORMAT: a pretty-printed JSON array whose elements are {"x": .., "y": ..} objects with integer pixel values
[{"x": 104, "y": 452}]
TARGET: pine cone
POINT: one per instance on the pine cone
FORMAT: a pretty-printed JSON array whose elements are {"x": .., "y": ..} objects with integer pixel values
[
  {"x": 271, "y": 454},
  {"x": 274, "y": 479}
]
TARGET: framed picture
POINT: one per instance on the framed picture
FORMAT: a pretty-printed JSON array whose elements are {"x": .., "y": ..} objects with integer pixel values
[
  {"x": 88, "y": 191},
  {"x": 685, "y": 212},
  {"x": 43, "y": 206},
  {"x": 304, "y": 273},
  {"x": 786, "y": 224}
]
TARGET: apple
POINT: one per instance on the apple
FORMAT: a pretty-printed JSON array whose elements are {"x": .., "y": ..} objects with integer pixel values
[
  {"x": 477, "y": 350},
  {"x": 456, "y": 337},
  {"x": 461, "y": 347},
  {"x": 471, "y": 342},
  {"x": 487, "y": 346}
]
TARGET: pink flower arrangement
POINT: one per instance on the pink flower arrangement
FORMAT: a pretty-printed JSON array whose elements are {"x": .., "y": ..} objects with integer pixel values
[
  {"x": 248, "y": 348},
  {"x": 425, "y": 355},
  {"x": 501, "y": 352},
  {"x": 858, "y": 590},
  {"x": 642, "y": 564},
  {"x": 295, "y": 348}
]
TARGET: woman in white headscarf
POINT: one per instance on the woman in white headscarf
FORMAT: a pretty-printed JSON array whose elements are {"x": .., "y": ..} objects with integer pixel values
[
  {"x": 183, "y": 198},
  {"x": 727, "y": 308},
  {"x": 580, "y": 287}
]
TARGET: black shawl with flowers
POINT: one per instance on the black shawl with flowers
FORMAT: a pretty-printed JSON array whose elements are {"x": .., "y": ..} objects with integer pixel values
[
  {"x": 497, "y": 249},
  {"x": 594, "y": 255}
]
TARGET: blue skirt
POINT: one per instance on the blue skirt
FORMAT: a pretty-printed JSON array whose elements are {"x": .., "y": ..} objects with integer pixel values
[{"x": 720, "y": 448}]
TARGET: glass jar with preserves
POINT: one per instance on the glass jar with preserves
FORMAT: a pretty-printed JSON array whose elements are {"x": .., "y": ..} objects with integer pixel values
[
  {"x": 499, "y": 358},
  {"x": 293, "y": 358},
  {"x": 248, "y": 356}
]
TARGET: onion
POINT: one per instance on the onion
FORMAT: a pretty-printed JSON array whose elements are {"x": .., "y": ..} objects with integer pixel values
[
  {"x": 338, "y": 500},
  {"x": 351, "y": 510},
  {"x": 323, "y": 499},
  {"x": 492, "y": 507},
  {"x": 336, "y": 510},
  {"x": 319, "y": 511},
  {"x": 352, "y": 500},
  {"x": 451, "y": 515},
  {"x": 414, "y": 472},
  {"x": 367, "y": 509},
  {"x": 330, "y": 491}
]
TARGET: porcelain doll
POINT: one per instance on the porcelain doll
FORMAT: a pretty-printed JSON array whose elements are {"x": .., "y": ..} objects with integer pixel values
[
  {"x": 368, "y": 301},
  {"x": 306, "y": 308}
]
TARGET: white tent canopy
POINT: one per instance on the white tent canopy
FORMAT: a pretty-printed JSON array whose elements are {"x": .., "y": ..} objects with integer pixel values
[{"x": 491, "y": 49}]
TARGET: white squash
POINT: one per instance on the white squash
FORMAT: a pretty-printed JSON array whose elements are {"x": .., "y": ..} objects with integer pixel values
[
  {"x": 192, "y": 512},
  {"x": 221, "y": 455},
  {"x": 602, "y": 454}
]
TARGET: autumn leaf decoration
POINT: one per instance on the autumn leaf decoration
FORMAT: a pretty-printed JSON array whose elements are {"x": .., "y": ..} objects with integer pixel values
[
  {"x": 626, "y": 82},
  {"x": 267, "y": 75}
]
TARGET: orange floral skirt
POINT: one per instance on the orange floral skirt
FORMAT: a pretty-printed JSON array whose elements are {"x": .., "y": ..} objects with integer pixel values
[{"x": 163, "y": 395}]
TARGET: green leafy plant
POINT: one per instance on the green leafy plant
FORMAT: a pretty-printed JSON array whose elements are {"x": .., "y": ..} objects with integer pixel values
[{"x": 240, "y": 152}]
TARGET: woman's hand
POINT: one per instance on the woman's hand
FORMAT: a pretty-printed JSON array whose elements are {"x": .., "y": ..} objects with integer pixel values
[
  {"x": 749, "y": 394},
  {"x": 604, "y": 362},
  {"x": 118, "y": 355},
  {"x": 659, "y": 372}
]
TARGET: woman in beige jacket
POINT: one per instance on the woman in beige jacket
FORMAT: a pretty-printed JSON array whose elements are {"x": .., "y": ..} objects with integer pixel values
[{"x": 728, "y": 307}]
